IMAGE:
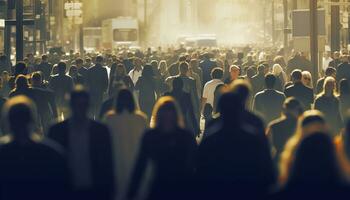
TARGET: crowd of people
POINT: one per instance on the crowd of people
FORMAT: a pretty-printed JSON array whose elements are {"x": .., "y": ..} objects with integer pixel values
[{"x": 175, "y": 124}]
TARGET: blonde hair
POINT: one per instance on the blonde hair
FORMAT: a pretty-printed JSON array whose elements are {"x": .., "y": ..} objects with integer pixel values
[
  {"x": 308, "y": 75},
  {"x": 288, "y": 155},
  {"x": 328, "y": 80},
  {"x": 163, "y": 104}
]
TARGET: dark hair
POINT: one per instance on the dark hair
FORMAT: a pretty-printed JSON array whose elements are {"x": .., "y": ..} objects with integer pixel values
[
  {"x": 251, "y": 71},
  {"x": 270, "y": 81},
  {"x": 297, "y": 75},
  {"x": 292, "y": 104},
  {"x": 36, "y": 77},
  {"x": 99, "y": 59},
  {"x": 79, "y": 61},
  {"x": 21, "y": 82},
  {"x": 231, "y": 106},
  {"x": 344, "y": 87},
  {"x": 20, "y": 68},
  {"x": 217, "y": 73},
  {"x": 44, "y": 57},
  {"x": 125, "y": 101},
  {"x": 183, "y": 67},
  {"x": 261, "y": 69},
  {"x": 61, "y": 67},
  {"x": 330, "y": 70},
  {"x": 147, "y": 71},
  {"x": 310, "y": 167},
  {"x": 178, "y": 83}
]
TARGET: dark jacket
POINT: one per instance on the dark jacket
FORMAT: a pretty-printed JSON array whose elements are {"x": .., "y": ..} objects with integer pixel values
[
  {"x": 258, "y": 83},
  {"x": 343, "y": 72},
  {"x": 61, "y": 85},
  {"x": 45, "y": 68},
  {"x": 329, "y": 106},
  {"x": 102, "y": 168},
  {"x": 269, "y": 103},
  {"x": 97, "y": 80},
  {"x": 301, "y": 92}
]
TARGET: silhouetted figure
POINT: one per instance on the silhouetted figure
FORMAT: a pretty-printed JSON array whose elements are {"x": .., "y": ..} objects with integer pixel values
[
  {"x": 170, "y": 149},
  {"x": 210, "y": 87},
  {"x": 328, "y": 104},
  {"x": 298, "y": 90},
  {"x": 174, "y": 68},
  {"x": 314, "y": 172},
  {"x": 269, "y": 101},
  {"x": 119, "y": 79},
  {"x": 258, "y": 80},
  {"x": 78, "y": 79},
  {"x": 235, "y": 161},
  {"x": 20, "y": 69},
  {"x": 29, "y": 169},
  {"x": 280, "y": 130},
  {"x": 82, "y": 70},
  {"x": 336, "y": 60},
  {"x": 343, "y": 70},
  {"x": 45, "y": 67},
  {"x": 127, "y": 126},
  {"x": 88, "y": 150},
  {"x": 97, "y": 80},
  {"x": 207, "y": 65},
  {"x": 146, "y": 86},
  {"x": 344, "y": 98},
  {"x": 184, "y": 101},
  {"x": 330, "y": 72},
  {"x": 61, "y": 84}
]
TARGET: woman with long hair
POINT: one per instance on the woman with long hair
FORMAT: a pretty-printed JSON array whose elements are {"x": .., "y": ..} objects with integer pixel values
[
  {"x": 328, "y": 103},
  {"x": 281, "y": 76},
  {"x": 170, "y": 150},
  {"x": 127, "y": 125},
  {"x": 119, "y": 79},
  {"x": 307, "y": 79}
]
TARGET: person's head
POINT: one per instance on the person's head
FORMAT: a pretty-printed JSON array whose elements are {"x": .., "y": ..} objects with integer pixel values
[
  {"x": 166, "y": 114},
  {"x": 99, "y": 60},
  {"x": 270, "y": 81},
  {"x": 125, "y": 102},
  {"x": 163, "y": 66},
  {"x": 147, "y": 71},
  {"x": 21, "y": 82},
  {"x": 292, "y": 108},
  {"x": 79, "y": 102},
  {"x": 307, "y": 79},
  {"x": 44, "y": 58},
  {"x": 217, "y": 73},
  {"x": 120, "y": 70},
  {"x": 73, "y": 71},
  {"x": 344, "y": 87},
  {"x": 249, "y": 58},
  {"x": 20, "y": 68},
  {"x": 297, "y": 75},
  {"x": 277, "y": 69},
  {"x": 336, "y": 55},
  {"x": 79, "y": 62},
  {"x": 206, "y": 56},
  {"x": 5, "y": 75},
  {"x": 234, "y": 72},
  {"x": 315, "y": 162},
  {"x": 261, "y": 69},
  {"x": 137, "y": 63},
  {"x": 344, "y": 58},
  {"x": 331, "y": 71},
  {"x": 329, "y": 86},
  {"x": 243, "y": 89},
  {"x": 251, "y": 71},
  {"x": 19, "y": 111},
  {"x": 183, "y": 68},
  {"x": 36, "y": 79},
  {"x": 61, "y": 67},
  {"x": 231, "y": 106}
]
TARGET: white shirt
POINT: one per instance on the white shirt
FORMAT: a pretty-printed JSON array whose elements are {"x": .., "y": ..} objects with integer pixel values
[
  {"x": 326, "y": 62},
  {"x": 135, "y": 75},
  {"x": 209, "y": 90}
]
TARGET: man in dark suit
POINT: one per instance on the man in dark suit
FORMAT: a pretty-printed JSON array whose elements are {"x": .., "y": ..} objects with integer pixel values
[
  {"x": 30, "y": 169},
  {"x": 257, "y": 81},
  {"x": 189, "y": 86},
  {"x": 207, "y": 65},
  {"x": 97, "y": 81},
  {"x": 81, "y": 69},
  {"x": 184, "y": 100},
  {"x": 88, "y": 150},
  {"x": 298, "y": 90},
  {"x": 343, "y": 70},
  {"x": 45, "y": 67},
  {"x": 280, "y": 130},
  {"x": 269, "y": 101}
]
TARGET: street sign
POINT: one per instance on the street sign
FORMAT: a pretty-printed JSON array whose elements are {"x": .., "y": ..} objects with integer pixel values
[{"x": 73, "y": 6}]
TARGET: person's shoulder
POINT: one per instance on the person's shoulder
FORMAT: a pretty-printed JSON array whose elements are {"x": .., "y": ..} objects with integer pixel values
[
  {"x": 59, "y": 125},
  {"x": 274, "y": 123}
]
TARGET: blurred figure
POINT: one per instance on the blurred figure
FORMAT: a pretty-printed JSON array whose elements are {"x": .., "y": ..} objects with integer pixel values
[
  {"x": 344, "y": 98},
  {"x": 119, "y": 79},
  {"x": 280, "y": 130},
  {"x": 20, "y": 69},
  {"x": 98, "y": 83},
  {"x": 5, "y": 90},
  {"x": 336, "y": 60},
  {"x": 306, "y": 174},
  {"x": 233, "y": 75},
  {"x": 61, "y": 85},
  {"x": 209, "y": 87},
  {"x": 136, "y": 72},
  {"x": 163, "y": 69},
  {"x": 207, "y": 65},
  {"x": 281, "y": 76},
  {"x": 326, "y": 60},
  {"x": 328, "y": 104},
  {"x": 194, "y": 65},
  {"x": 329, "y": 72},
  {"x": 82, "y": 70},
  {"x": 298, "y": 90},
  {"x": 269, "y": 101},
  {"x": 45, "y": 67},
  {"x": 146, "y": 86},
  {"x": 258, "y": 80},
  {"x": 184, "y": 101},
  {"x": 5, "y": 64},
  {"x": 29, "y": 169},
  {"x": 307, "y": 79},
  {"x": 174, "y": 68},
  {"x": 170, "y": 149},
  {"x": 78, "y": 79},
  {"x": 88, "y": 150},
  {"x": 127, "y": 125},
  {"x": 234, "y": 161},
  {"x": 343, "y": 70}
]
